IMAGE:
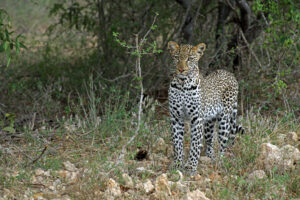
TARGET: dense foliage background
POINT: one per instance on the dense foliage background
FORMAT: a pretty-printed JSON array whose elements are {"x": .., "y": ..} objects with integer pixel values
[{"x": 70, "y": 41}]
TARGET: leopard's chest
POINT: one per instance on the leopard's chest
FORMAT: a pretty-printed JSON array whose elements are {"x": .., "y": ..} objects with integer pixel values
[{"x": 184, "y": 99}]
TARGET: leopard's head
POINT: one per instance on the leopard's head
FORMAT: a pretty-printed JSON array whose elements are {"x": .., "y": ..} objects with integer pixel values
[{"x": 186, "y": 57}]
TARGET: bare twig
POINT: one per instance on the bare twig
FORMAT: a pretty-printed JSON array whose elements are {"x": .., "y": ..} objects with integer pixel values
[
  {"x": 138, "y": 67},
  {"x": 251, "y": 51},
  {"x": 145, "y": 36},
  {"x": 138, "y": 46},
  {"x": 139, "y": 75},
  {"x": 44, "y": 150},
  {"x": 33, "y": 121},
  {"x": 116, "y": 78}
]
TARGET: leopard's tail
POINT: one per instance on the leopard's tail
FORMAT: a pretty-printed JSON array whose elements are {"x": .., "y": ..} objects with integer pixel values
[{"x": 235, "y": 129}]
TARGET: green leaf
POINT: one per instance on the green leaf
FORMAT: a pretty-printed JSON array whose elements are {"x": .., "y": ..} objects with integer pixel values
[
  {"x": 8, "y": 61},
  {"x": 1, "y": 48},
  {"x": 5, "y": 45},
  {"x": 9, "y": 129}
]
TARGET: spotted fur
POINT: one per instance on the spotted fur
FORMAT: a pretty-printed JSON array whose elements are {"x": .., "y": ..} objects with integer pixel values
[{"x": 202, "y": 101}]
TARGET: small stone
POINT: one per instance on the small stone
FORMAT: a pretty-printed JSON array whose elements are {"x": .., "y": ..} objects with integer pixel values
[
  {"x": 160, "y": 195},
  {"x": 47, "y": 173},
  {"x": 159, "y": 145},
  {"x": 148, "y": 186},
  {"x": 196, "y": 195},
  {"x": 257, "y": 174},
  {"x": 205, "y": 160},
  {"x": 141, "y": 169},
  {"x": 36, "y": 179},
  {"x": 69, "y": 166},
  {"x": 128, "y": 180},
  {"x": 15, "y": 173},
  {"x": 38, "y": 196},
  {"x": 207, "y": 180},
  {"x": 69, "y": 177},
  {"x": 161, "y": 184},
  {"x": 197, "y": 177},
  {"x": 281, "y": 138},
  {"x": 113, "y": 188},
  {"x": 292, "y": 136},
  {"x": 178, "y": 186},
  {"x": 39, "y": 172},
  {"x": 126, "y": 194}
]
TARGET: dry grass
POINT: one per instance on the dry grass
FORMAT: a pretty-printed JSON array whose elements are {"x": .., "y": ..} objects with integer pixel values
[{"x": 96, "y": 149}]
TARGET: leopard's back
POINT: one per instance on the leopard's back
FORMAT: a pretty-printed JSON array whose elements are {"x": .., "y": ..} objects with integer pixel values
[{"x": 220, "y": 88}]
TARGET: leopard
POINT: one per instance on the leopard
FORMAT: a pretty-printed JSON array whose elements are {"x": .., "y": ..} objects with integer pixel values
[{"x": 202, "y": 101}]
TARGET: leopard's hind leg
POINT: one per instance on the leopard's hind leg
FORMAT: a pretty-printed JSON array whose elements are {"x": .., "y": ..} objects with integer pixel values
[{"x": 209, "y": 137}]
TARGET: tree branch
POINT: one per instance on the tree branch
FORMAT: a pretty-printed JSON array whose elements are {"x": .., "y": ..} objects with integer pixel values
[{"x": 251, "y": 51}]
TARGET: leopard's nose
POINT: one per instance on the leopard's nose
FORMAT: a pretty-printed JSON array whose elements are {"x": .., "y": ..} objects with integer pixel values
[{"x": 180, "y": 70}]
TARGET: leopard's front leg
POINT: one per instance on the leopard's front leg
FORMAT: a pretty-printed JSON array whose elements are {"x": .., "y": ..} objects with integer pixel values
[
  {"x": 177, "y": 125},
  {"x": 196, "y": 145}
]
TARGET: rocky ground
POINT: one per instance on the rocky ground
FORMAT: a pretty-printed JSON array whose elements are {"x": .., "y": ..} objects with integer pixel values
[{"x": 139, "y": 179}]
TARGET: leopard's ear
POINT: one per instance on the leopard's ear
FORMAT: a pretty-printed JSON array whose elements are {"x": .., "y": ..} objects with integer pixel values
[
  {"x": 200, "y": 48},
  {"x": 172, "y": 46}
]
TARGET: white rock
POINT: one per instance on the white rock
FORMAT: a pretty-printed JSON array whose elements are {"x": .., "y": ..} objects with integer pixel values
[
  {"x": 257, "y": 174},
  {"x": 39, "y": 172},
  {"x": 159, "y": 145},
  {"x": 141, "y": 169},
  {"x": 159, "y": 195},
  {"x": 269, "y": 157},
  {"x": 148, "y": 186},
  {"x": 284, "y": 158},
  {"x": 207, "y": 180},
  {"x": 290, "y": 155},
  {"x": 178, "y": 186},
  {"x": 36, "y": 179},
  {"x": 69, "y": 166},
  {"x": 128, "y": 180},
  {"x": 281, "y": 137},
  {"x": 113, "y": 188},
  {"x": 161, "y": 184},
  {"x": 69, "y": 176},
  {"x": 205, "y": 160},
  {"x": 290, "y": 152},
  {"x": 292, "y": 136},
  {"x": 47, "y": 173},
  {"x": 196, "y": 195}
]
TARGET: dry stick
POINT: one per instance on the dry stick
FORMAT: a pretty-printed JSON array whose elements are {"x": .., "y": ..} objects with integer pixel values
[
  {"x": 139, "y": 73},
  {"x": 138, "y": 46},
  {"x": 251, "y": 51},
  {"x": 44, "y": 150},
  {"x": 144, "y": 38},
  {"x": 117, "y": 78}
]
